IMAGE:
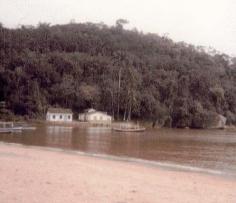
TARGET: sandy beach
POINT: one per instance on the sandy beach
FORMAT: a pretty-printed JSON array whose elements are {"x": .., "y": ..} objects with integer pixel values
[{"x": 33, "y": 174}]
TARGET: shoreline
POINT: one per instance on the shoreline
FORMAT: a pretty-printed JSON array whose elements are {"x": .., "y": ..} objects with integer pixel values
[
  {"x": 36, "y": 174},
  {"x": 132, "y": 160},
  {"x": 145, "y": 123}
]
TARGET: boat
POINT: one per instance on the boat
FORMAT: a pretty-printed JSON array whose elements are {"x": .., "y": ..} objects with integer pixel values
[
  {"x": 128, "y": 127},
  {"x": 8, "y": 127}
]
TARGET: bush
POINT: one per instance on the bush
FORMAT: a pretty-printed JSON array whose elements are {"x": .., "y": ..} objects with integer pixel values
[
  {"x": 231, "y": 118},
  {"x": 180, "y": 117},
  {"x": 205, "y": 119}
]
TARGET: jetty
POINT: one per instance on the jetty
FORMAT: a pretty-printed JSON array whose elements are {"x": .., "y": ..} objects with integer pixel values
[
  {"x": 8, "y": 127},
  {"x": 24, "y": 126}
]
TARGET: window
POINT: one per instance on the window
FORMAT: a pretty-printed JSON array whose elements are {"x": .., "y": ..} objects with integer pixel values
[
  {"x": 61, "y": 117},
  {"x": 68, "y": 117},
  {"x": 53, "y": 117}
]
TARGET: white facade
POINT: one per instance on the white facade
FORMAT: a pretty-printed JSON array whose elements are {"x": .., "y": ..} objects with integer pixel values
[
  {"x": 59, "y": 115},
  {"x": 82, "y": 116},
  {"x": 98, "y": 117},
  {"x": 94, "y": 116}
]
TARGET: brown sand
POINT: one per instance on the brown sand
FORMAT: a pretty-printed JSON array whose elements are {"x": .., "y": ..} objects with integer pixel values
[{"x": 29, "y": 174}]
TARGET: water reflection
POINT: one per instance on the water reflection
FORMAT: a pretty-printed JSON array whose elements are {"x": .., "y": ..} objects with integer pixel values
[
  {"x": 59, "y": 136},
  {"x": 52, "y": 130},
  {"x": 98, "y": 139},
  {"x": 213, "y": 149}
]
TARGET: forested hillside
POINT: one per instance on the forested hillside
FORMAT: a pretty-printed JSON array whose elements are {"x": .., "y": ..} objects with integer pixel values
[{"x": 129, "y": 74}]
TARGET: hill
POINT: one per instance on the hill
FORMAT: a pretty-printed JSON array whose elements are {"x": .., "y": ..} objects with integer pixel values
[{"x": 124, "y": 72}]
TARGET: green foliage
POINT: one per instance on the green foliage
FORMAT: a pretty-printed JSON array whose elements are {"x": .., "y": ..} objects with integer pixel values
[{"x": 126, "y": 73}]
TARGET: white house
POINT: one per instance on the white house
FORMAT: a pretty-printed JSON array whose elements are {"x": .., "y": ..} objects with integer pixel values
[
  {"x": 59, "y": 115},
  {"x": 93, "y": 116}
]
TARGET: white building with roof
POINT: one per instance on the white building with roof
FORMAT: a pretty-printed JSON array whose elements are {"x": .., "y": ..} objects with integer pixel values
[
  {"x": 59, "y": 115},
  {"x": 94, "y": 116}
]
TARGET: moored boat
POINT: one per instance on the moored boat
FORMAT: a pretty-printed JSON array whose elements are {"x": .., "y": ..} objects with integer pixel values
[{"x": 128, "y": 127}]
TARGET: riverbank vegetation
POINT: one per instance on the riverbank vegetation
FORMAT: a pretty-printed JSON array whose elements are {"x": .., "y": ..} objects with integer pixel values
[{"x": 124, "y": 72}]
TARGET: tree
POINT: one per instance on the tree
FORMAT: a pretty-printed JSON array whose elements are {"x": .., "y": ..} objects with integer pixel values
[
  {"x": 120, "y": 23},
  {"x": 127, "y": 73},
  {"x": 89, "y": 95}
]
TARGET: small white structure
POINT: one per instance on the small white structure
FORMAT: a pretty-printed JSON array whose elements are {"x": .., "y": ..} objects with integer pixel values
[
  {"x": 93, "y": 116},
  {"x": 59, "y": 115}
]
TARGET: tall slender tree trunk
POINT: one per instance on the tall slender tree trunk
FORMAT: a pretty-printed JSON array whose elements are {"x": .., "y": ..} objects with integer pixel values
[
  {"x": 124, "y": 118},
  {"x": 118, "y": 97},
  {"x": 130, "y": 109},
  {"x": 112, "y": 103}
]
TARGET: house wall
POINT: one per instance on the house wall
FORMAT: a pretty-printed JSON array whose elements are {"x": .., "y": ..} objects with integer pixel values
[
  {"x": 98, "y": 117},
  {"x": 59, "y": 117},
  {"x": 81, "y": 117}
]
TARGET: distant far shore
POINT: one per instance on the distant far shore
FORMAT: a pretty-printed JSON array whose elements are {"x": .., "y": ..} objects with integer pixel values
[
  {"x": 76, "y": 123},
  {"x": 32, "y": 174}
]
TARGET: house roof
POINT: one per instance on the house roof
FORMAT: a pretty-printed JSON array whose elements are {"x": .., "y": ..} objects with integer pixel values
[
  {"x": 59, "y": 110},
  {"x": 93, "y": 112},
  {"x": 89, "y": 110}
]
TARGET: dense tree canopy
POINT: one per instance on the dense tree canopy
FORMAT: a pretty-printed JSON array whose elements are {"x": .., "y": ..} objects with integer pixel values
[{"x": 126, "y": 73}]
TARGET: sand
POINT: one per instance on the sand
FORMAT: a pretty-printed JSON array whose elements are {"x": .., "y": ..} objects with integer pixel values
[{"x": 32, "y": 174}]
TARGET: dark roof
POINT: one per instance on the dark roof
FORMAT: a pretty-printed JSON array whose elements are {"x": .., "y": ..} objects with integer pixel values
[{"x": 59, "y": 110}]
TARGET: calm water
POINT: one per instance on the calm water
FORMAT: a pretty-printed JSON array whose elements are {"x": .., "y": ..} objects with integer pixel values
[{"x": 209, "y": 149}]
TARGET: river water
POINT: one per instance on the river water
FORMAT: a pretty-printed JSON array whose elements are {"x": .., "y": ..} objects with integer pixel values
[{"x": 201, "y": 150}]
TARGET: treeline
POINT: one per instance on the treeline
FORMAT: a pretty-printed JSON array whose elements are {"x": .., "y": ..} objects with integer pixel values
[{"x": 127, "y": 73}]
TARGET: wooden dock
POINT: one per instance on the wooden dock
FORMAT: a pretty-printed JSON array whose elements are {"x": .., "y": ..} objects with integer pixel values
[{"x": 8, "y": 127}]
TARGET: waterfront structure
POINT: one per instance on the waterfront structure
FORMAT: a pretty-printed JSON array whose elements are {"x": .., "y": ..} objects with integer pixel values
[
  {"x": 94, "y": 116},
  {"x": 128, "y": 127},
  {"x": 3, "y": 105},
  {"x": 8, "y": 127},
  {"x": 59, "y": 115}
]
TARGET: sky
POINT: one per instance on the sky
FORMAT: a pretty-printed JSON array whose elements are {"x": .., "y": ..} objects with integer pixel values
[{"x": 198, "y": 22}]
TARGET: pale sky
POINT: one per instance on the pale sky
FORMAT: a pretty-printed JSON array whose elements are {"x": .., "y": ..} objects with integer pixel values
[{"x": 199, "y": 22}]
